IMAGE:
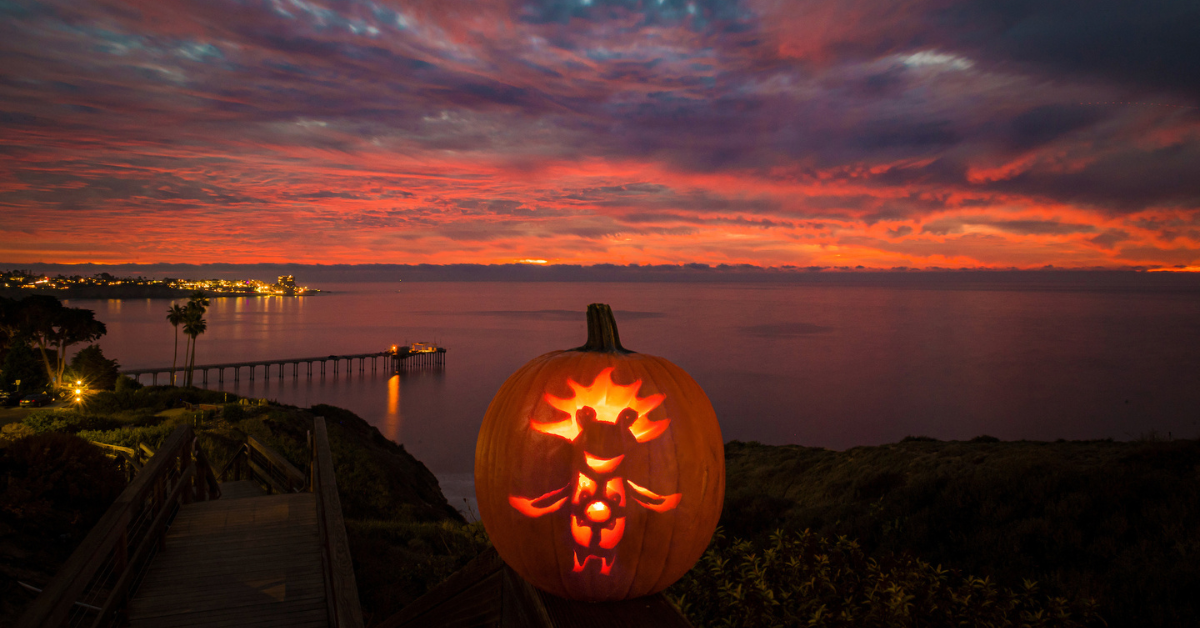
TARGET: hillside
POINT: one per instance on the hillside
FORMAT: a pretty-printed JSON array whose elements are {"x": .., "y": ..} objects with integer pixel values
[{"x": 1114, "y": 521}]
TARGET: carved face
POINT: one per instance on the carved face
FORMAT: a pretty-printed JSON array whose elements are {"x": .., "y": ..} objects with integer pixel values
[{"x": 604, "y": 422}]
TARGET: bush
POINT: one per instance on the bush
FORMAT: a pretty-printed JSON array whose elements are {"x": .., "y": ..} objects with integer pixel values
[
  {"x": 233, "y": 412},
  {"x": 1114, "y": 522},
  {"x": 56, "y": 484},
  {"x": 127, "y": 383},
  {"x": 14, "y": 432},
  {"x": 69, "y": 421},
  {"x": 152, "y": 398},
  {"x": 96, "y": 371},
  {"x": 152, "y": 436},
  {"x": 23, "y": 362},
  {"x": 397, "y": 561},
  {"x": 802, "y": 579}
]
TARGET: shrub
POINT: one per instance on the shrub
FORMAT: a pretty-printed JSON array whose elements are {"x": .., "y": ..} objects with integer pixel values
[
  {"x": 152, "y": 436},
  {"x": 56, "y": 484},
  {"x": 803, "y": 579},
  {"x": 233, "y": 412},
  {"x": 14, "y": 432},
  {"x": 127, "y": 383},
  {"x": 398, "y": 561},
  {"x": 97, "y": 371},
  {"x": 69, "y": 421}
]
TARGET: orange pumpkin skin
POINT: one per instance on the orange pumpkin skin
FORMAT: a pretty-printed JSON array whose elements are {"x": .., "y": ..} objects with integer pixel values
[{"x": 611, "y": 503}]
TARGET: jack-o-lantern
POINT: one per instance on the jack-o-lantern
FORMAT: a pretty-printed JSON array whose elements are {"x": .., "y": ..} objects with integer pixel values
[{"x": 600, "y": 472}]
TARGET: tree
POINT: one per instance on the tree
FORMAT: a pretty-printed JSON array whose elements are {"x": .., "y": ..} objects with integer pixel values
[
  {"x": 22, "y": 363},
  {"x": 10, "y": 324},
  {"x": 194, "y": 325},
  {"x": 97, "y": 371},
  {"x": 175, "y": 315},
  {"x": 53, "y": 328}
]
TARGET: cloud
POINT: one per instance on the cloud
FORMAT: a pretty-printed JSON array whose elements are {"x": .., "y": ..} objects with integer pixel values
[{"x": 819, "y": 133}]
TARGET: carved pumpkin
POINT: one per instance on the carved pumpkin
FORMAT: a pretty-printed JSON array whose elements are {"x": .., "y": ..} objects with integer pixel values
[{"x": 600, "y": 472}]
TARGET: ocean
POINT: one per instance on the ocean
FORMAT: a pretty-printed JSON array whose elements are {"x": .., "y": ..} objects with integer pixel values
[{"x": 818, "y": 365}]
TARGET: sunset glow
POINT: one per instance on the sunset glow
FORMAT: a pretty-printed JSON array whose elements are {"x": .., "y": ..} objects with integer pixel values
[{"x": 826, "y": 133}]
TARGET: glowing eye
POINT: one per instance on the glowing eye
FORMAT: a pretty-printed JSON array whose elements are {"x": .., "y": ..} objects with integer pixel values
[{"x": 598, "y": 512}]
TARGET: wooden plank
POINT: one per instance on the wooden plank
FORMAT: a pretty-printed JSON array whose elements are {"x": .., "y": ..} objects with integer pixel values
[
  {"x": 307, "y": 611},
  {"x": 521, "y": 605},
  {"x": 115, "y": 448},
  {"x": 248, "y": 562},
  {"x": 277, "y": 591},
  {"x": 215, "y": 577},
  {"x": 347, "y": 611},
  {"x": 241, "y": 489}
]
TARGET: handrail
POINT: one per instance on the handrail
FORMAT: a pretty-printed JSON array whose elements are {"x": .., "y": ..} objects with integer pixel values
[
  {"x": 131, "y": 460},
  {"x": 103, "y": 570},
  {"x": 341, "y": 591},
  {"x": 286, "y": 477},
  {"x": 255, "y": 460}
]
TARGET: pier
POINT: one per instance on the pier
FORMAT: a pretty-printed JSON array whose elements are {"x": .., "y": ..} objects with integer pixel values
[{"x": 395, "y": 359}]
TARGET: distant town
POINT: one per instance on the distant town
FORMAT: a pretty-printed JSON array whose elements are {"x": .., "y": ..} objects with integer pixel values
[{"x": 15, "y": 283}]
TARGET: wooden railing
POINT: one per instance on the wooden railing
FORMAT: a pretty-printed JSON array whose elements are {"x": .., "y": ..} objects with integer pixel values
[
  {"x": 341, "y": 591},
  {"x": 256, "y": 461},
  {"x": 94, "y": 585},
  {"x": 130, "y": 460}
]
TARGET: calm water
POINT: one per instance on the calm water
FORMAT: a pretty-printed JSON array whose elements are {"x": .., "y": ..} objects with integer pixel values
[{"x": 829, "y": 366}]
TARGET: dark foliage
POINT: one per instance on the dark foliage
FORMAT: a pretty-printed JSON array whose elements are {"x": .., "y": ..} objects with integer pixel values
[
  {"x": 396, "y": 561},
  {"x": 803, "y": 579},
  {"x": 96, "y": 371},
  {"x": 389, "y": 483},
  {"x": 126, "y": 383},
  {"x": 1117, "y": 522},
  {"x": 153, "y": 399},
  {"x": 68, "y": 421},
  {"x": 56, "y": 484},
  {"x": 23, "y": 362}
]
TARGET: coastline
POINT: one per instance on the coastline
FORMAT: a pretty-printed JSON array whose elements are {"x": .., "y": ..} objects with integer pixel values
[{"x": 137, "y": 292}]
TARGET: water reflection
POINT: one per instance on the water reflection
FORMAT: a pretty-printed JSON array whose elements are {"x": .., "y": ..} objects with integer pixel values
[{"x": 392, "y": 421}]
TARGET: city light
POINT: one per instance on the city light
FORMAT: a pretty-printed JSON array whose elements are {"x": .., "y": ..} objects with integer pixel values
[{"x": 285, "y": 285}]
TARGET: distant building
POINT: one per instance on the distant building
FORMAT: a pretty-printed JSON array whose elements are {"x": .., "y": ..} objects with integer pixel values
[{"x": 287, "y": 281}]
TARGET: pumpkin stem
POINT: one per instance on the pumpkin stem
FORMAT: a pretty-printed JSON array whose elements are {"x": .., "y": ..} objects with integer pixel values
[{"x": 602, "y": 331}]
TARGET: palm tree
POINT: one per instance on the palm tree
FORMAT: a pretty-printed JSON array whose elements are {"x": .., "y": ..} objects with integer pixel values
[
  {"x": 175, "y": 315},
  {"x": 193, "y": 325}
]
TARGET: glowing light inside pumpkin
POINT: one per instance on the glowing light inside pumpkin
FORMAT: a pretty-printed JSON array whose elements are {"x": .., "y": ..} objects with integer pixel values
[
  {"x": 602, "y": 465},
  {"x": 608, "y": 400},
  {"x": 654, "y": 501},
  {"x": 598, "y": 511},
  {"x": 529, "y": 508}
]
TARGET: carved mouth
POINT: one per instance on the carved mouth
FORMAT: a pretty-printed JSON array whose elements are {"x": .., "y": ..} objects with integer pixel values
[{"x": 605, "y": 562}]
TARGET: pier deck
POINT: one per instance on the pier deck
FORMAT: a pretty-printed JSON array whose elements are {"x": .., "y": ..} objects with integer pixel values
[{"x": 401, "y": 359}]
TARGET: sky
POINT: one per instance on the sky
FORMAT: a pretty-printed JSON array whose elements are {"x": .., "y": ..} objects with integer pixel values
[{"x": 833, "y": 133}]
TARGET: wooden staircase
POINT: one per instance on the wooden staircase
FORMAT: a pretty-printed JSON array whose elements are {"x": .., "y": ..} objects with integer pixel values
[{"x": 176, "y": 550}]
